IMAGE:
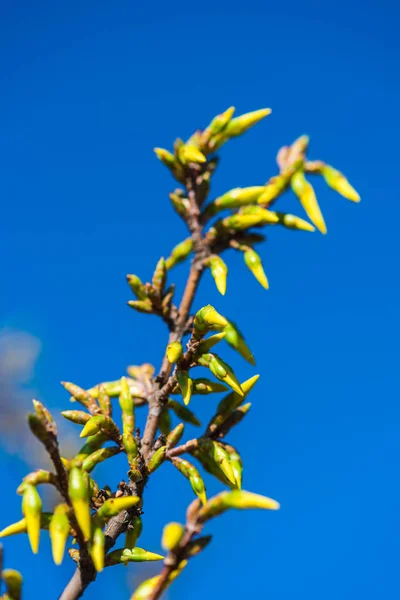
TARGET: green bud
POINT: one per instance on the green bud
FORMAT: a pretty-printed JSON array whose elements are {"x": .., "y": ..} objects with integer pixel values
[
  {"x": 128, "y": 420},
  {"x": 229, "y": 403},
  {"x": 174, "y": 352},
  {"x": 93, "y": 443},
  {"x": 172, "y": 535},
  {"x": 338, "y": 182},
  {"x": 179, "y": 253},
  {"x": 142, "y": 306},
  {"x": 113, "y": 388},
  {"x": 220, "y": 457},
  {"x": 273, "y": 189},
  {"x": 182, "y": 412},
  {"x": 100, "y": 423},
  {"x": 219, "y": 271},
  {"x": 21, "y": 526},
  {"x": 174, "y": 436},
  {"x": 43, "y": 413},
  {"x": 137, "y": 287},
  {"x": 32, "y": 510},
  {"x": 191, "y": 473},
  {"x": 13, "y": 581},
  {"x": 185, "y": 384},
  {"x": 133, "y": 532},
  {"x": 238, "y": 499},
  {"x": 211, "y": 467},
  {"x": 157, "y": 459},
  {"x": 236, "y": 463},
  {"x": 78, "y": 492},
  {"x": 241, "y": 124},
  {"x": 76, "y": 416},
  {"x": 206, "y": 344},
  {"x": 104, "y": 401},
  {"x": 190, "y": 154},
  {"x": 253, "y": 262},
  {"x": 97, "y": 549},
  {"x": 221, "y": 370},
  {"x": 171, "y": 162},
  {"x": 180, "y": 204},
  {"x": 293, "y": 222},
  {"x": 239, "y": 197},
  {"x": 39, "y": 430},
  {"x": 236, "y": 340},
  {"x": 98, "y": 457},
  {"x": 208, "y": 318},
  {"x": 219, "y": 123},
  {"x": 59, "y": 529},
  {"x": 127, "y": 555},
  {"x": 113, "y": 506},
  {"x": 82, "y": 396},
  {"x": 160, "y": 276},
  {"x": 305, "y": 193}
]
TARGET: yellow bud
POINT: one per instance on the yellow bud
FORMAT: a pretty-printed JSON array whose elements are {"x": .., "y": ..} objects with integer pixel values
[
  {"x": 238, "y": 499},
  {"x": 13, "y": 581},
  {"x": 186, "y": 385},
  {"x": 338, "y": 182},
  {"x": 172, "y": 535},
  {"x": 241, "y": 124},
  {"x": 97, "y": 549},
  {"x": 32, "y": 510},
  {"x": 59, "y": 532},
  {"x": 174, "y": 352},
  {"x": 293, "y": 222},
  {"x": 305, "y": 193},
  {"x": 219, "y": 271},
  {"x": 145, "y": 589},
  {"x": 78, "y": 492},
  {"x": 253, "y": 262},
  {"x": 189, "y": 153}
]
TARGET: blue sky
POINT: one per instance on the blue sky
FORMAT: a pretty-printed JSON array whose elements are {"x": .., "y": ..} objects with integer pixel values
[{"x": 88, "y": 89}]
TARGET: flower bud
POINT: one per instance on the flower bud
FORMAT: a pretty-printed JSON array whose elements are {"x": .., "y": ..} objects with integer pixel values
[
  {"x": 238, "y": 499},
  {"x": 182, "y": 412},
  {"x": 79, "y": 417},
  {"x": 253, "y": 262},
  {"x": 191, "y": 473},
  {"x": 127, "y": 555},
  {"x": 221, "y": 370},
  {"x": 208, "y": 318},
  {"x": 305, "y": 193},
  {"x": 189, "y": 153},
  {"x": 97, "y": 548},
  {"x": 236, "y": 340},
  {"x": 179, "y": 253},
  {"x": 172, "y": 535},
  {"x": 137, "y": 287},
  {"x": 13, "y": 581},
  {"x": 157, "y": 459},
  {"x": 174, "y": 352},
  {"x": 174, "y": 436},
  {"x": 338, "y": 182},
  {"x": 241, "y": 124},
  {"x": 32, "y": 510},
  {"x": 59, "y": 529},
  {"x": 219, "y": 271},
  {"x": 186, "y": 385},
  {"x": 171, "y": 163},
  {"x": 78, "y": 492},
  {"x": 206, "y": 344}
]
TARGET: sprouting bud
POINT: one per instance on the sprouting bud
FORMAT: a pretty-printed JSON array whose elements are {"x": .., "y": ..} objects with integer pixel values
[
  {"x": 203, "y": 386},
  {"x": 160, "y": 276},
  {"x": 100, "y": 423},
  {"x": 238, "y": 197},
  {"x": 305, "y": 193},
  {"x": 231, "y": 402},
  {"x": 293, "y": 222},
  {"x": 191, "y": 473},
  {"x": 174, "y": 436},
  {"x": 113, "y": 506},
  {"x": 185, "y": 384},
  {"x": 188, "y": 153},
  {"x": 179, "y": 202},
  {"x": 220, "y": 457},
  {"x": 128, "y": 420},
  {"x": 21, "y": 526},
  {"x": 218, "y": 123},
  {"x": 338, "y": 182},
  {"x": 241, "y": 124},
  {"x": 157, "y": 459},
  {"x": 79, "y": 417},
  {"x": 127, "y": 555},
  {"x": 38, "y": 429},
  {"x": 170, "y": 161},
  {"x": 13, "y": 581},
  {"x": 274, "y": 188},
  {"x": 59, "y": 529},
  {"x": 219, "y": 271},
  {"x": 250, "y": 216},
  {"x": 179, "y": 253},
  {"x": 97, "y": 548},
  {"x": 253, "y": 262},
  {"x": 137, "y": 287},
  {"x": 82, "y": 396},
  {"x": 104, "y": 401},
  {"x": 43, "y": 413},
  {"x": 99, "y": 456},
  {"x": 238, "y": 499},
  {"x": 182, "y": 412},
  {"x": 78, "y": 492},
  {"x": 208, "y": 318},
  {"x": 172, "y": 535},
  {"x": 206, "y": 344},
  {"x": 32, "y": 510},
  {"x": 174, "y": 352},
  {"x": 142, "y": 306},
  {"x": 236, "y": 340},
  {"x": 211, "y": 466},
  {"x": 221, "y": 370},
  {"x": 236, "y": 463},
  {"x": 36, "y": 478},
  {"x": 133, "y": 532}
]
